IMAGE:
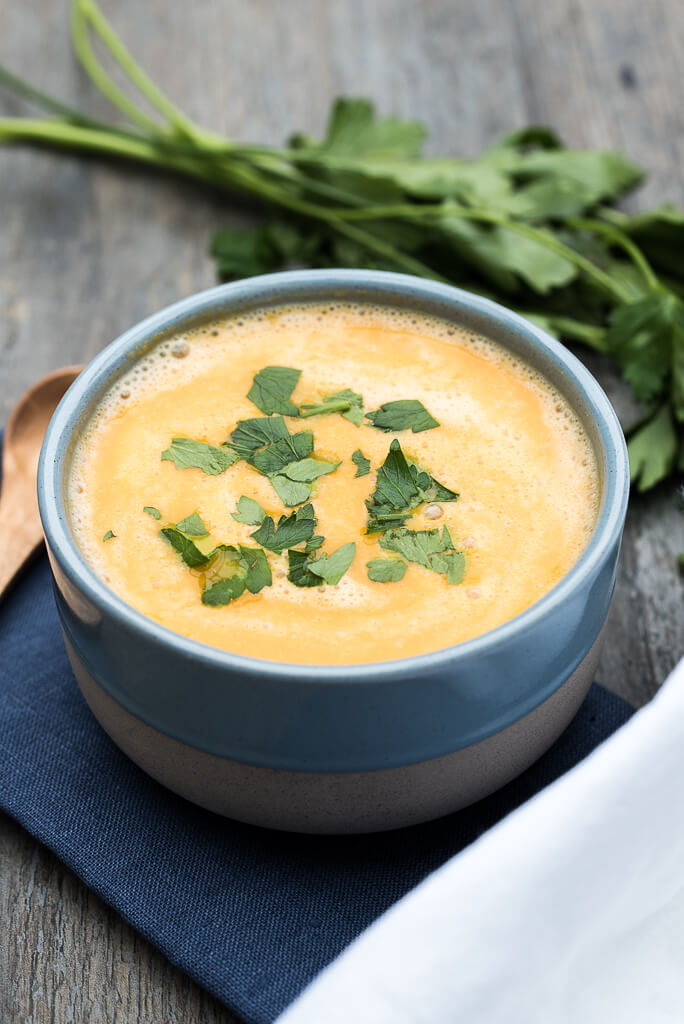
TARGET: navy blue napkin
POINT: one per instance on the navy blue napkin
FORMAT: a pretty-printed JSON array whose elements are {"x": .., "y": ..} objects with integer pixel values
[{"x": 251, "y": 915}]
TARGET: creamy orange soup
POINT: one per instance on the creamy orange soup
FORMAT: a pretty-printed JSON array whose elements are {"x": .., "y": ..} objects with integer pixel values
[{"x": 507, "y": 443}]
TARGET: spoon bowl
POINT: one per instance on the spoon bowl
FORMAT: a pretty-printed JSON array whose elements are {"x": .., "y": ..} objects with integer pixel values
[{"x": 24, "y": 435}]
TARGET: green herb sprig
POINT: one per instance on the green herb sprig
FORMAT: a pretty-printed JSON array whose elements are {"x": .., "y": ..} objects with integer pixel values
[
  {"x": 226, "y": 571},
  {"x": 528, "y": 221}
]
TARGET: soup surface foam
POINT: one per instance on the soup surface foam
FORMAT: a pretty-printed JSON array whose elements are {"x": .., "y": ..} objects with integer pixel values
[{"x": 507, "y": 442}]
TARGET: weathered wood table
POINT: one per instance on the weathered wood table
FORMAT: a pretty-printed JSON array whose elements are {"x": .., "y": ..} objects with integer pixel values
[{"x": 88, "y": 248}]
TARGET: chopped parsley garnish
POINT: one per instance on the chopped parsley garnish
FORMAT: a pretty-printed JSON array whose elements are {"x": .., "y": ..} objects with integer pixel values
[
  {"x": 400, "y": 487},
  {"x": 309, "y": 469},
  {"x": 249, "y": 436},
  {"x": 108, "y": 535},
  {"x": 417, "y": 545},
  {"x": 249, "y": 511},
  {"x": 290, "y": 531},
  {"x": 332, "y": 568},
  {"x": 406, "y": 414},
  {"x": 287, "y": 459},
  {"x": 188, "y": 454},
  {"x": 278, "y": 454},
  {"x": 396, "y": 490},
  {"x": 192, "y": 526},
  {"x": 223, "y": 592},
  {"x": 289, "y": 491},
  {"x": 298, "y": 571},
  {"x": 304, "y": 570},
  {"x": 347, "y": 402},
  {"x": 452, "y": 564},
  {"x": 186, "y": 548},
  {"x": 361, "y": 462},
  {"x": 230, "y": 571},
  {"x": 386, "y": 570},
  {"x": 294, "y": 483},
  {"x": 271, "y": 390},
  {"x": 258, "y": 570},
  {"x": 429, "y": 549},
  {"x": 268, "y": 446}
]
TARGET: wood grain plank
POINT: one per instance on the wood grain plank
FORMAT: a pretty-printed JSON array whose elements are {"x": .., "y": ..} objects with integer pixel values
[
  {"x": 65, "y": 957},
  {"x": 89, "y": 248}
]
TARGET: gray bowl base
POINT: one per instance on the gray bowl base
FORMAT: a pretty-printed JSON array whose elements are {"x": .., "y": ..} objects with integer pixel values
[{"x": 341, "y": 802}]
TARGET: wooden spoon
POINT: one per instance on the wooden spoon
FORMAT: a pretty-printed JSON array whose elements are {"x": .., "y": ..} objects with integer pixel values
[{"x": 19, "y": 519}]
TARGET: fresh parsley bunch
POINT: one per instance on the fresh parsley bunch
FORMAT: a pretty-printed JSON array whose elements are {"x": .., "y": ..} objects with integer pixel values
[{"x": 527, "y": 222}]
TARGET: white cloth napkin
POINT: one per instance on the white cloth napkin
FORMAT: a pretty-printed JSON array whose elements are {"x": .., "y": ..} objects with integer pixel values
[{"x": 569, "y": 911}]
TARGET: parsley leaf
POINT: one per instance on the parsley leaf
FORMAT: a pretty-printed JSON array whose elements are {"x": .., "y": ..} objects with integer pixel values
[
  {"x": 415, "y": 545},
  {"x": 401, "y": 486},
  {"x": 332, "y": 568},
  {"x": 152, "y": 511},
  {"x": 298, "y": 571},
  {"x": 231, "y": 571},
  {"x": 289, "y": 491},
  {"x": 407, "y": 413},
  {"x": 258, "y": 573},
  {"x": 659, "y": 234},
  {"x": 385, "y": 570},
  {"x": 249, "y": 511},
  {"x": 429, "y": 549},
  {"x": 652, "y": 450},
  {"x": 354, "y": 130},
  {"x": 294, "y": 484},
  {"x": 109, "y": 535},
  {"x": 279, "y": 454},
  {"x": 309, "y": 469},
  {"x": 223, "y": 592},
  {"x": 348, "y": 402},
  {"x": 259, "y": 250},
  {"x": 647, "y": 338},
  {"x": 291, "y": 530},
  {"x": 438, "y": 492},
  {"x": 361, "y": 462},
  {"x": 285, "y": 458},
  {"x": 314, "y": 543},
  {"x": 452, "y": 564},
  {"x": 395, "y": 486},
  {"x": 188, "y": 454},
  {"x": 271, "y": 390},
  {"x": 186, "y": 548},
  {"x": 249, "y": 436},
  {"x": 192, "y": 526}
]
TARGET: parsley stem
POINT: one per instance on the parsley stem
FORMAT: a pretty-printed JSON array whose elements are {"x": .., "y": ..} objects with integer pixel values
[
  {"x": 249, "y": 179},
  {"x": 442, "y": 210},
  {"x": 210, "y": 157},
  {"x": 87, "y": 13},
  {"x": 79, "y": 137},
  {"x": 92, "y": 15},
  {"x": 283, "y": 171},
  {"x": 41, "y": 99},
  {"x": 339, "y": 406},
  {"x": 90, "y": 63},
  {"x": 613, "y": 234},
  {"x": 396, "y": 256}
]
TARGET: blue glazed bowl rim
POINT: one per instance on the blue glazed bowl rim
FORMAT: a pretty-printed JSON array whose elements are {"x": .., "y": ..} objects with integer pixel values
[{"x": 291, "y": 288}]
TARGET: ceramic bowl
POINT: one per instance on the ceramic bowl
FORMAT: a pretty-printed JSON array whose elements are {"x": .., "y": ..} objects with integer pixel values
[{"x": 351, "y": 748}]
